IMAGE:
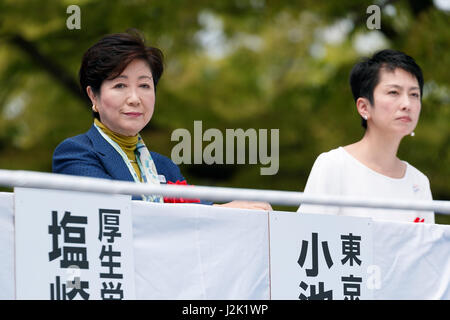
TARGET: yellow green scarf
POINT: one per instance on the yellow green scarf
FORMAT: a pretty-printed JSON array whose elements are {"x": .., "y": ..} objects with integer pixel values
[{"x": 127, "y": 144}]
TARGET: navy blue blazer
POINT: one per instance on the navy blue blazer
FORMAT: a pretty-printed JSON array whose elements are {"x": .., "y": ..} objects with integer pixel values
[{"x": 90, "y": 155}]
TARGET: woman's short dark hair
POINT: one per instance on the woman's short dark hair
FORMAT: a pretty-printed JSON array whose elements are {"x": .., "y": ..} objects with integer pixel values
[
  {"x": 111, "y": 55},
  {"x": 365, "y": 75}
]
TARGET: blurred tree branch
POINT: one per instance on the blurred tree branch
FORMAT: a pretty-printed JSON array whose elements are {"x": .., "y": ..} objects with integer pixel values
[{"x": 57, "y": 72}]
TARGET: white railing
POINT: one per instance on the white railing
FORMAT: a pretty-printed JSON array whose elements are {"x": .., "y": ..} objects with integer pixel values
[{"x": 43, "y": 180}]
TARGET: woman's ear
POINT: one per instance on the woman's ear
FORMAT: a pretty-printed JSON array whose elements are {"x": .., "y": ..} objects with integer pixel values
[
  {"x": 91, "y": 95},
  {"x": 363, "y": 107}
]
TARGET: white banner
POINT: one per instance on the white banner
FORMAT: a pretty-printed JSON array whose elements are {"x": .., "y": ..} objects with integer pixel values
[
  {"x": 414, "y": 260},
  {"x": 190, "y": 251},
  {"x": 72, "y": 245},
  {"x": 318, "y": 257}
]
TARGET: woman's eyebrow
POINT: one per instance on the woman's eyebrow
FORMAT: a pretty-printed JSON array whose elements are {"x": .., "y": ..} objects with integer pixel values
[
  {"x": 122, "y": 76},
  {"x": 149, "y": 77},
  {"x": 400, "y": 87}
]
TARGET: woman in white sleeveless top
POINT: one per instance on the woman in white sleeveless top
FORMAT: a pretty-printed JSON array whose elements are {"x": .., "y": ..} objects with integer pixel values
[{"x": 387, "y": 89}]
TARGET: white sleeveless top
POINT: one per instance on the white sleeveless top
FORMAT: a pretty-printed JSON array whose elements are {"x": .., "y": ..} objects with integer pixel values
[{"x": 338, "y": 173}]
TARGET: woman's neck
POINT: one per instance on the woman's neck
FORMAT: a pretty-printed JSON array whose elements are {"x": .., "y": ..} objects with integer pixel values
[
  {"x": 379, "y": 153},
  {"x": 126, "y": 143}
]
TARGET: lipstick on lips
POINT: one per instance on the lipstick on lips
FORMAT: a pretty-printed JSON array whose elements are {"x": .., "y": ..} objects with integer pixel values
[
  {"x": 133, "y": 114},
  {"x": 405, "y": 119}
]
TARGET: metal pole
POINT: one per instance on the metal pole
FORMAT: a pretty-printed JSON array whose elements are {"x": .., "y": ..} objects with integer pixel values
[{"x": 31, "y": 179}]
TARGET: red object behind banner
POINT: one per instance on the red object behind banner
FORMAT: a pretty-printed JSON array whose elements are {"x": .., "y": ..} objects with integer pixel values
[{"x": 180, "y": 200}]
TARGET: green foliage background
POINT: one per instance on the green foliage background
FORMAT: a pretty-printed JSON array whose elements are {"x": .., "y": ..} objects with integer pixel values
[{"x": 273, "y": 65}]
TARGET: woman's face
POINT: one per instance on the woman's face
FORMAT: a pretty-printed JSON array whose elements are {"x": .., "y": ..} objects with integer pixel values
[
  {"x": 397, "y": 103},
  {"x": 126, "y": 103}
]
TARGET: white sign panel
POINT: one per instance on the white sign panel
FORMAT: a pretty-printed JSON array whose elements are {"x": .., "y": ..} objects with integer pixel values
[
  {"x": 318, "y": 257},
  {"x": 73, "y": 245}
]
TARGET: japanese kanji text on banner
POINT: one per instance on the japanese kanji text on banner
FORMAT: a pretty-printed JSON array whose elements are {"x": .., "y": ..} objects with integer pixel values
[
  {"x": 316, "y": 257},
  {"x": 73, "y": 245}
]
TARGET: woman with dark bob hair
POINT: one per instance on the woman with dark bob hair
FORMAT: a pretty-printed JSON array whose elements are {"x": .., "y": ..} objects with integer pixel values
[
  {"x": 119, "y": 75},
  {"x": 387, "y": 89}
]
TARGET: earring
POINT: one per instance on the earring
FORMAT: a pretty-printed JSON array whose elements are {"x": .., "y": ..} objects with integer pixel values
[
  {"x": 412, "y": 134},
  {"x": 94, "y": 108},
  {"x": 365, "y": 117}
]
